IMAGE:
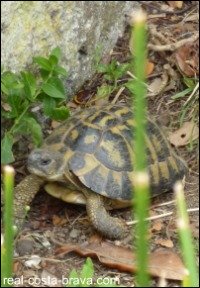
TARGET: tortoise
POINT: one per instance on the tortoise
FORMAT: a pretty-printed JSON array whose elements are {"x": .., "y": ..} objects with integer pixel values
[{"x": 89, "y": 159}]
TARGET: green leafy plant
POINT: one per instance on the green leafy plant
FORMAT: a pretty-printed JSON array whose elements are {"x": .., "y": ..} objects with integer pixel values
[
  {"x": 84, "y": 278},
  {"x": 112, "y": 72},
  {"x": 190, "y": 108},
  {"x": 22, "y": 91}
]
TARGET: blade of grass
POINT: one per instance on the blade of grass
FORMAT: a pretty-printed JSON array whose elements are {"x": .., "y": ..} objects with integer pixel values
[
  {"x": 141, "y": 184},
  {"x": 7, "y": 246},
  {"x": 187, "y": 246}
]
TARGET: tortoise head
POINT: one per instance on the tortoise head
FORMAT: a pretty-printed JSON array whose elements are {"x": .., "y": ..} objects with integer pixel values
[{"x": 46, "y": 164}]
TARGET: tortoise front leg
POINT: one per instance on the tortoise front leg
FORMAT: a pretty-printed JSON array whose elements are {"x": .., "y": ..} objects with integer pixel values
[
  {"x": 24, "y": 193},
  {"x": 110, "y": 227}
]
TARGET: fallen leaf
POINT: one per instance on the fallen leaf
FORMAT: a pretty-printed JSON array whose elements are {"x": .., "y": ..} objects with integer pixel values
[
  {"x": 149, "y": 68},
  {"x": 175, "y": 4},
  {"x": 157, "y": 226},
  {"x": 16, "y": 266},
  {"x": 162, "y": 263},
  {"x": 54, "y": 124},
  {"x": 165, "y": 242},
  {"x": 58, "y": 221},
  {"x": 6, "y": 106},
  {"x": 188, "y": 132},
  {"x": 187, "y": 58},
  {"x": 155, "y": 85}
]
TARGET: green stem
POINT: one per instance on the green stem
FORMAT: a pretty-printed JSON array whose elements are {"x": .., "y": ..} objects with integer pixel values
[
  {"x": 141, "y": 182},
  {"x": 7, "y": 247},
  {"x": 192, "y": 280}
]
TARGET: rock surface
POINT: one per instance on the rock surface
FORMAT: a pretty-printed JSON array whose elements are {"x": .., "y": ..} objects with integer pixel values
[{"x": 84, "y": 30}]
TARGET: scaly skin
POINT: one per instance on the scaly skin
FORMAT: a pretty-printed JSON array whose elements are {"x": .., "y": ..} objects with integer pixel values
[
  {"x": 110, "y": 227},
  {"x": 26, "y": 190},
  {"x": 23, "y": 195}
]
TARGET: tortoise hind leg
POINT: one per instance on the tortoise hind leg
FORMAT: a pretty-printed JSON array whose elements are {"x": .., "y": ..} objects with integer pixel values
[{"x": 110, "y": 227}]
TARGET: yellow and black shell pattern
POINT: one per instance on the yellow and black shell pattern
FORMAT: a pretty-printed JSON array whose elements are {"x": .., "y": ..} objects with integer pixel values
[{"x": 98, "y": 148}]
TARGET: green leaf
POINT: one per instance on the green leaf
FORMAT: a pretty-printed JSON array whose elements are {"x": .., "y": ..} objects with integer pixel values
[
  {"x": 35, "y": 130},
  {"x": 189, "y": 82},
  {"x": 102, "y": 68},
  {"x": 56, "y": 52},
  {"x": 9, "y": 78},
  {"x": 54, "y": 88},
  {"x": 104, "y": 91},
  {"x": 181, "y": 94},
  {"x": 60, "y": 113},
  {"x": 6, "y": 149},
  {"x": 60, "y": 70},
  {"x": 57, "y": 113},
  {"x": 48, "y": 105},
  {"x": 53, "y": 60},
  {"x": 130, "y": 85},
  {"x": 87, "y": 271},
  {"x": 72, "y": 278},
  {"x": 43, "y": 63},
  {"x": 11, "y": 83},
  {"x": 44, "y": 74},
  {"x": 29, "y": 84},
  {"x": 52, "y": 91},
  {"x": 29, "y": 126},
  {"x": 4, "y": 90},
  {"x": 15, "y": 103}
]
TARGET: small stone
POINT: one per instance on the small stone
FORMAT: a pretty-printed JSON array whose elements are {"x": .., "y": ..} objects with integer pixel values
[
  {"x": 74, "y": 233},
  {"x": 25, "y": 247}
]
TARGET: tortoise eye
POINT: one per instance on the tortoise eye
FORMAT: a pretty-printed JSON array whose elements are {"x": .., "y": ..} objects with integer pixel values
[{"x": 45, "y": 162}]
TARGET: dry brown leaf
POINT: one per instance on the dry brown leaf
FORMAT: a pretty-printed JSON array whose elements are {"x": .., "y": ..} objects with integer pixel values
[
  {"x": 157, "y": 226},
  {"x": 149, "y": 68},
  {"x": 155, "y": 85},
  {"x": 58, "y": 221},
  {"x": 54, "y": 124},
  {"x": 16, "y": 266},
  {"x": 187, "y": 58},
  {"x": 175, "y": 4},
  {"x": 188, "y": 132},
  {"x": 165, "y": 242},
  {"x": 162, "y": 263},
  {"x": 6, "y": 106}
]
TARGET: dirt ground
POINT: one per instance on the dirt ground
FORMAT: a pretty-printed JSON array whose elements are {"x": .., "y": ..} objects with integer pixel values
[{"x": 52, "y": 223}]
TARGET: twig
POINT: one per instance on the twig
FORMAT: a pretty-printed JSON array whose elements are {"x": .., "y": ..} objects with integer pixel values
[
  {"x": 118, "y": 94},
  {"x": 164, "y": 204},
  {"x": 133, "y": 76},
  {"x": 161, "y": 216},
  {"x": 173, "y": 46},
  {"x": 27, "y": 257},
  {"x": 193, "y": 92},
  {"x": 156, "y": 34}
]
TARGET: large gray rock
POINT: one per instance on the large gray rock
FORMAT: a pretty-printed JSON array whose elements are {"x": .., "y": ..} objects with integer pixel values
[{"x": 82, "y": 29}]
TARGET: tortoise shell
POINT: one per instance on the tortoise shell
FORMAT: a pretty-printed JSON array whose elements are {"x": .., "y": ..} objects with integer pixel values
[{"x": 97, "y": 148}]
